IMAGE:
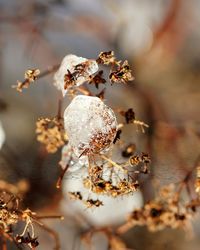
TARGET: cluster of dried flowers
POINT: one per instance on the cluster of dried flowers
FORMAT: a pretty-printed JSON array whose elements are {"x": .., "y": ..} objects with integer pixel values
[
  {"x": 90, "y": 129},
  {"x": 29, "y": 76},
  {"x": 164, "y": 211},
  {"x": 89, "y": 202},
  {"x": 89, "y": 133},
  {"x": 51, "y": 133},
  {"x": 11, "y": 215},
  {"x": 170, "y": 207}
]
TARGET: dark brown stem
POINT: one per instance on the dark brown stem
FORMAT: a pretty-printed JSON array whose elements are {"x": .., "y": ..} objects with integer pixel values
[
  {"x": 60, "y": 217},
  {"x": 58, "y": 184}
]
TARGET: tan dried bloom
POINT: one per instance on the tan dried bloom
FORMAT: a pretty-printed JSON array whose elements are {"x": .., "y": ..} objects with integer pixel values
[
  {"x": 101, "y": 186},
  {"x": 51, "y": 133},
  {"x": 30, "y": 76},
  {"x": 122, "y": 74},
  {"x": 7, "y": 218},
  {"x": 107, "y": 58},
  {"x": 93, "y": 203},
  {"x": 11, "y": 214},
  {"x": 164, "y": 211},
  {"x": 97, "y": 79}
]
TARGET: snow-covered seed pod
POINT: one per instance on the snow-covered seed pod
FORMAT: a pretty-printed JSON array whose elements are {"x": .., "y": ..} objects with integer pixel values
[
  {"x": 75, "y": 69},
  {"x": 90, "y": 125},
  {"x": 2, "y": 136}
]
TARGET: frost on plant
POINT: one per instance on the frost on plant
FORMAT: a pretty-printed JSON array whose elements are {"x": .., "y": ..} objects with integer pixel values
[
  {"x": 90, "y": 124},
  {"x": 74, "y": 71},
  {"x": 89, "y": 132}
]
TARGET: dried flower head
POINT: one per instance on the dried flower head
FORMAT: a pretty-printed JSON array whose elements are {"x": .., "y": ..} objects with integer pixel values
[
  {"x": 30, "y": 76},
  {"x": 51, "y": 133},
  {"x": 166, "y": 210},
  {"x": 75, "y": 195},
  {"x": 107, "y": 58},
  {"x": 139, "y": 158},
  {"x": 97, "y": 79},
  {"x": 93, "y": 203},
  {"x": 129, "y": 115},
  {"x": 74, "y": 71},
  {"x": 11, "y": 214},
  {"x": 117, "y": 184},
  {"x": 122, "y": 74}
]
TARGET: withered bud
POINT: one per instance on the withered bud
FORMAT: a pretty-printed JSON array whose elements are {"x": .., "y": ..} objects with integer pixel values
[
  {"x": 122, "y": 74},
  {"x": 106, "y": 58}
]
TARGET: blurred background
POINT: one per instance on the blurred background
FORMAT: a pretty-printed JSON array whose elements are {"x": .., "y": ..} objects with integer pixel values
[{"x": 161, "y": 41}]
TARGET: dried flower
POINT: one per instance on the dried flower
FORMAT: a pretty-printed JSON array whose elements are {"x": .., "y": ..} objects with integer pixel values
[
  {"x": 129, "y": 115},
  {"x": 122, "y": 74},
  {"x": 106, "y": 58},
  {"x": 73, "y": 72},
  {"x": 101, "y": 186},
  {"x": 142, "y": 158},
  {"x": 161, "y": 212},
  {"x": 75, "y": 195},
  {"x": 97, "y": 79},
  {"x": 93, "y": 203},
  {"x": 51, "y": 133},
  {"x": 11, "y": 214},
  {"x": 30, "y": 76}
]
